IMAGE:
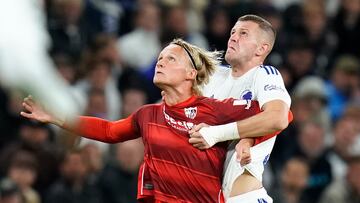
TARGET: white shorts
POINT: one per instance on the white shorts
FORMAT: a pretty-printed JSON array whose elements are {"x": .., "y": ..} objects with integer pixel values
[
  {"x": 259, "y": 156},
  {"x": 256, "y": 196}
]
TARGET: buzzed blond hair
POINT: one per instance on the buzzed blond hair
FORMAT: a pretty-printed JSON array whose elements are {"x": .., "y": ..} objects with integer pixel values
[
  {"x": 264, "y": 25},
  {"x": 205, "y": 62}
]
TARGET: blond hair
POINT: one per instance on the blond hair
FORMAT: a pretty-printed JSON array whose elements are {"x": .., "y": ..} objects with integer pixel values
[{"x": 203, "y": 61}]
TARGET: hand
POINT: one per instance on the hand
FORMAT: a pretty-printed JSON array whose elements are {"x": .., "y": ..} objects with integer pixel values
[
  {"x": 196, "y": 139},
  {"x": 243, "y": 150},
  {"x": 36, "y": 111}
]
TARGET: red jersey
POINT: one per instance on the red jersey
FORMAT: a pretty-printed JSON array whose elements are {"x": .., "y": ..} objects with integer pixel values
[{"x": 173, "y": 170}]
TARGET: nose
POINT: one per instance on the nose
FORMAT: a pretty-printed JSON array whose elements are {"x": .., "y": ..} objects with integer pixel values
[
  {"x": 233, "y": 38},
  {"x": 159, "y": 64}
]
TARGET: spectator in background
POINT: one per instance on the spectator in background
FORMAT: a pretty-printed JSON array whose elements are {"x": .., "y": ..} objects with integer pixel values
[
  {"x": 99, "y": 77},
  {"x": 96, "y": 103},
  {"x": 177, "y": 26},
  {"x": 293, "y": 182},
  {"x": 339, "y": 87},
  {"x": 140, "y": 47},
  {"x": 69, "y": 31},
  {"x": 104, "y": 48},
  {"x": 23, "y": 171},
  {"x": 118, "y": 181},
  {"x": 37, "y": 139},
  {"x": 347, "y": 27},
  {"x": 11, "y": 121},
  {"x": 96, "y": 106},
  {"x": 345, "y": 133},
  {"x": 316, "y": 31},
  {"x": 274, "y": 16},
  {"x": 299, "y": 60},
  {"x": 133, "y": 98},
  {"x": 218, "y": 29},
  {"x": 105, "y": 15},
  {"x": 312, "y": 91},
  {"x": 66, "y": 67},
  {"x": 345, "y": 190},
  {"x": 94, "y": 157},
  {"x": 312, "y": 147},
  {"x": 119, "y": 178},
  {"x": 9, "y": 192},
  {"x": 310, "y": 101},
  {"x": 133, "y": 79},
  {"x": 73, "y": 186}
]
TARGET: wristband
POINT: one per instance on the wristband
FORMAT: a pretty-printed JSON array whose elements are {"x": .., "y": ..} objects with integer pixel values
[{"x": 220, "y": 133}]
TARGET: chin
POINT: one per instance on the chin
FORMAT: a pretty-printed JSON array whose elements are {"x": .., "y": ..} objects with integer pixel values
[
  {"x": 158, "y": 83},
  {"x": 228, "y": 58}
]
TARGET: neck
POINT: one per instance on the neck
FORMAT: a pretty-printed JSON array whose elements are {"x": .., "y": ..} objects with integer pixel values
[
  {"x": 241, "y": 68},
  {"x": 173, "y": 96}
]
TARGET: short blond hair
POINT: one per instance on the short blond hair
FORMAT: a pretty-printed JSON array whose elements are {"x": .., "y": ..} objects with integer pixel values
[{"x": 203, "y": 61}]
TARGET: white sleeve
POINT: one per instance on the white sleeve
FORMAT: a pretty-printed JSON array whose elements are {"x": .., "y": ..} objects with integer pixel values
[
  {"x": 24, "y": 62},
  {"x": 269, "y": 85}
]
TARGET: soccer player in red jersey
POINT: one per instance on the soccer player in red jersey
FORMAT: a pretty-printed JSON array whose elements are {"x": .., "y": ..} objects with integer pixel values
[{"x": 173, "y": 170}]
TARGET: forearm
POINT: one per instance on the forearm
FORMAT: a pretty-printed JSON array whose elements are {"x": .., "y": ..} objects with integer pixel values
[
  {"x": 102, "y": 130},
  {"x": 273, "y": 119},
  {"x": 262, "y": 124}
]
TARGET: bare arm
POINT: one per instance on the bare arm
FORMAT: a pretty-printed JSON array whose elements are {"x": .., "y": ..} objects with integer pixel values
[{"x": 274, "y": 118}]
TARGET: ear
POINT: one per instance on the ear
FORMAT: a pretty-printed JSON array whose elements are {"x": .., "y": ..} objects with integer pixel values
[
  {"x": 262, "y": 49},
  {"x": 191, "y": 74}
]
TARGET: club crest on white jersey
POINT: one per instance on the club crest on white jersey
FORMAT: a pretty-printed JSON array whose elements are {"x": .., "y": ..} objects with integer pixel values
[{"x": 247, "y": 95}]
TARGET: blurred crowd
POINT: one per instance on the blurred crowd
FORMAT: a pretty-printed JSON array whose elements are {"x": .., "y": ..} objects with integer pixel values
[{"x": 106, "y": 51}]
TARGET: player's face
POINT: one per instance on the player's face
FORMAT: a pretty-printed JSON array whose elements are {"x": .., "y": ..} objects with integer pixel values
[
  {"x": 172, "y": 67},
  {"x": 243, "y": 42}
]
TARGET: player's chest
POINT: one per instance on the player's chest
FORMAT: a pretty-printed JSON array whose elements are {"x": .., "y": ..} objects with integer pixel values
[{"x": 241, "y": 88}]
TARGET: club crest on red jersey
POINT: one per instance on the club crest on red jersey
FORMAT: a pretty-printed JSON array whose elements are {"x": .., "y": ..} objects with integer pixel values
[{"x": 190, "y": 112}]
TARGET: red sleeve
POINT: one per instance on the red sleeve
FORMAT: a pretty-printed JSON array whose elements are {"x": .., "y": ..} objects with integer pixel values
[
  {"x": 105, "y": 131},
  {"x": 230, "y": 110}
]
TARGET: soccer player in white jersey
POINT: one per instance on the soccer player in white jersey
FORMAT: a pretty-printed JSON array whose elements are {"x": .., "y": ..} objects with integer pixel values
[{"x": 251, "y": 40}]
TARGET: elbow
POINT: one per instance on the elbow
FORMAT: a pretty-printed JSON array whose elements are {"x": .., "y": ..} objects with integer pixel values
[{"x": 280, "y": 123}]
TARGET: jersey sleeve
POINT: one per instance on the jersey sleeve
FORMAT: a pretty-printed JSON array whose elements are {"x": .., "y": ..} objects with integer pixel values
[
  {"x": 269, "y": 85},
  {"x": 105, "y": 131},
  {"x": 230, "y": 110}
]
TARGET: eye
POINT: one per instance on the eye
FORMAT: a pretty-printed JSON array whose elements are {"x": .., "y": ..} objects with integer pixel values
[
  {"x": 159, "y": 58},
  {"x": 243, "y": 33},
  {"x": 171, "y": 58}
]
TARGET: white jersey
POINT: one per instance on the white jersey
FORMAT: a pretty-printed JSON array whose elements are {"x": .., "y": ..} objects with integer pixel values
[{"x": 263, "y": 84}]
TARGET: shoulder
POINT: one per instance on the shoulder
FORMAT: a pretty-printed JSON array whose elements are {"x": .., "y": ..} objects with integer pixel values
[
  {"x": 221, "y": 71},
  {"x": 267, "y": 74},
  {"x": 147, "y": 110},
  {"x": 149, "y": 107},
  {"x": 215, "y": 102},
  {"x": 267, "y": 70}
]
